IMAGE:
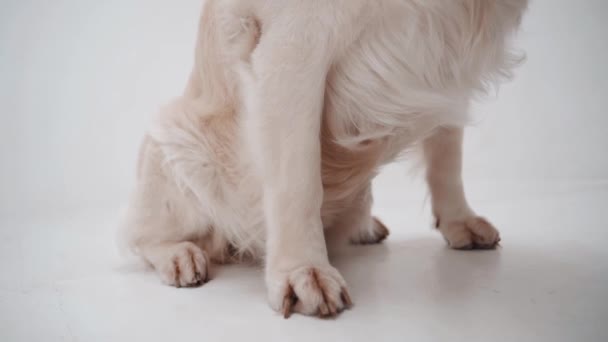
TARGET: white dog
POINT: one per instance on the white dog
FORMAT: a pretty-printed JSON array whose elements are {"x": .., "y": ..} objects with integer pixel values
[{"x": 291, "y": 108}]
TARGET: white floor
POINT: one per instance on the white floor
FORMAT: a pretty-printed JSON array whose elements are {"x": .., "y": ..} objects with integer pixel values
[{"x": 62, "y": 280}]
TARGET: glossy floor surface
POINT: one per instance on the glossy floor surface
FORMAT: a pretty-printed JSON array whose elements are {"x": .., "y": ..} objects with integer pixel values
[{"x": 62, "y": 280}]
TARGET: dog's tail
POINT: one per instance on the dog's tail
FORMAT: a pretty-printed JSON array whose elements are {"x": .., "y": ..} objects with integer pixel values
[{"x": 227, "y": 35}]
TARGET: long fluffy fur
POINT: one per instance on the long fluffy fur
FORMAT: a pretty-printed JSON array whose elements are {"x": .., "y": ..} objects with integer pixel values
[{"x": 394, "y": 73}]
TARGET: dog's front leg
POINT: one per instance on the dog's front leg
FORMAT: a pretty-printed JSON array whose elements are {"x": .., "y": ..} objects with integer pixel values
[
  {"x": 285, "y": 89},
  {"x": 460, "y": 226}
]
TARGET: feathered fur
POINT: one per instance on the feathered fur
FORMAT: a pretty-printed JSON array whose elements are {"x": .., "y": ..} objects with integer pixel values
[{"x": 291, "y": 108}]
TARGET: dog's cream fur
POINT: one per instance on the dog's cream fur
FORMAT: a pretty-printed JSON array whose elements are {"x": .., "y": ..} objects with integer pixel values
[{"x": 291, "y": 108}]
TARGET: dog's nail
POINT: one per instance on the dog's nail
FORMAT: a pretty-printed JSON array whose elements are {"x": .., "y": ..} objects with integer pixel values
[{"x": 346, "y": 298}]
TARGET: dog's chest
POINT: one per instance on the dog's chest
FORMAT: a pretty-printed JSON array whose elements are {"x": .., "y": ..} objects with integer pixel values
[
  {"x": 393, "y": 86},
  {"x": 412, "y": 70}
]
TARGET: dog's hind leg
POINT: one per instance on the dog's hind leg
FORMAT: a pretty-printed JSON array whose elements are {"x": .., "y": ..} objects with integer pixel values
[
  {"x": 358, "y": 223},
  {"x": 160, "y": 228}
]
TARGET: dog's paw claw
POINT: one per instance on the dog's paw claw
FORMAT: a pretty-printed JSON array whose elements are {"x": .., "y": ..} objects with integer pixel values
[
  {"x": 311, "y": 291},
  {"x": 472, "y": 233}
]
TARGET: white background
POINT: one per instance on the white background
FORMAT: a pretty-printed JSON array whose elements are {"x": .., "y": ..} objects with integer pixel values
[{"x": 80, "y": 80}]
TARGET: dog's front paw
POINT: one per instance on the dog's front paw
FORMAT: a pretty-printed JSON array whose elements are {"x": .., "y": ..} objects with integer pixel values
[
  {"x": 310, "y": 290},
  {"x": 471, "y": 233}
]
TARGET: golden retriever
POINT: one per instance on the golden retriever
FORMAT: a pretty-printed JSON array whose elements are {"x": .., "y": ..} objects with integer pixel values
[{"x": 291, "y": 108}]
